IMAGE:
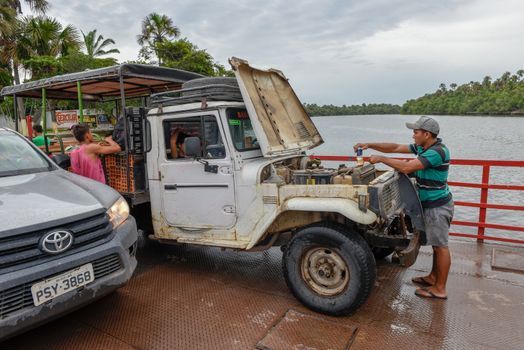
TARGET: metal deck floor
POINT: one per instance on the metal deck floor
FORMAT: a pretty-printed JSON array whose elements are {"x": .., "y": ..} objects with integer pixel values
[{"x": 205, "y": 298}]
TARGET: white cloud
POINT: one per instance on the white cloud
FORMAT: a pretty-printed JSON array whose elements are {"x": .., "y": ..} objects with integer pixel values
[{"x": 333, "y": 51}]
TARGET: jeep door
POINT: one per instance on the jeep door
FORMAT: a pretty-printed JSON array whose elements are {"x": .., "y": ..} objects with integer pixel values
[{"x": 191, "y": 197}]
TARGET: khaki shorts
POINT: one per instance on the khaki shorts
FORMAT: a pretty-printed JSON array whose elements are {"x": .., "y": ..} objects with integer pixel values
[{"x": 438, "y": 221}]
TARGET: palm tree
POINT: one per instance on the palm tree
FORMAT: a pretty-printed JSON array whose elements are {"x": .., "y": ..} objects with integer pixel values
[
  {"x": 9, "y": 23},
  {"x": 39, "y": 6},
  {"x": 45, "y": 36},
  {"x": 7, "y": 19},
  {"x": 9, "y": 50},
  {"x": 157, "y": 28},
  {"x": 95, "y": 48}
]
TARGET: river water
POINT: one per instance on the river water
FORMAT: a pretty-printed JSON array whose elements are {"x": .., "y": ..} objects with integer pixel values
[{"x": 467, "y": 137}]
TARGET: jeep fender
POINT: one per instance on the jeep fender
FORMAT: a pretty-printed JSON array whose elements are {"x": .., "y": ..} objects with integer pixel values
[{"x": 345, "y": 207}]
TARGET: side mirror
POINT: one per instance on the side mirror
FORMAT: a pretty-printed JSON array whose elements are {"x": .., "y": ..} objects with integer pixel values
[
  {"x": 194, "y": 150},
  {"x": 62, "y": 160},
  {"x": 192, "y": 147}
]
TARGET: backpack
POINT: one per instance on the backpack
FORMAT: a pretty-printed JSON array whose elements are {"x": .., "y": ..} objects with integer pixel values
[{"x": 119, "y": 133}]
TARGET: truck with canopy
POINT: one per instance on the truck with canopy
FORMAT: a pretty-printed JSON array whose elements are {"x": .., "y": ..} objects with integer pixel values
[{"x": 222, "y": 162}]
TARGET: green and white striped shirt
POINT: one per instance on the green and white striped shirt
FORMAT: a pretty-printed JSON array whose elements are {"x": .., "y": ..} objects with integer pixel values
[{"x": 432, "y": 181}]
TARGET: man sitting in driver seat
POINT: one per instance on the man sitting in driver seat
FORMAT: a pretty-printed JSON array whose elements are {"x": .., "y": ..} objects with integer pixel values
[{"x": 177, "y": 143}]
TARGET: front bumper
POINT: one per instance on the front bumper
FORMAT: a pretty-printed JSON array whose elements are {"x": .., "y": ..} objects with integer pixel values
[{"x": 113, "y": 275}]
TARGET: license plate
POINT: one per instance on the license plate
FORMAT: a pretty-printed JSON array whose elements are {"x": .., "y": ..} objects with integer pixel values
[{"x": 61, "y": 284}]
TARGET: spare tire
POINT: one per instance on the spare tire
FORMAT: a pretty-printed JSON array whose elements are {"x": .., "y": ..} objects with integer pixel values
[
  {"x": 213, "y": 88},
  {"x": 207, "y": 81}
]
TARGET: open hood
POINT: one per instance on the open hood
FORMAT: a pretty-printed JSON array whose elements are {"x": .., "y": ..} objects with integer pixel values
[{"x": 279, "y": 119}]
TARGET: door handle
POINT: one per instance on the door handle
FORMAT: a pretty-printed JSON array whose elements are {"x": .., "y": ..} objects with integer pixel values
[{"x": 170, "y": 187}]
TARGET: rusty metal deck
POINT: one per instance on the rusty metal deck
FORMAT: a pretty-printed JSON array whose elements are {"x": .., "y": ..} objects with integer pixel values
[{"x": 205, "y": 298}]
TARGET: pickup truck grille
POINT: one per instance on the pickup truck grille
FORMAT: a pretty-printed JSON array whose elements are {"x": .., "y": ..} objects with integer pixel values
[
  {"x": 24, "y": 248},
  {"x": 384, "y": 194},
  {"x": 390, "y": 197},
  {"x": 19, "y": 297}
]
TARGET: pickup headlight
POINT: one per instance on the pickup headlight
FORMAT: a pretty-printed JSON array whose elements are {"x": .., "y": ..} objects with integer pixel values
[{"x": 119, "y": 212}]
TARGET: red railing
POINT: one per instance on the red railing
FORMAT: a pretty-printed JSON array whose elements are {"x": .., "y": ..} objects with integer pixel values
[{"x": 483, "y": 205}]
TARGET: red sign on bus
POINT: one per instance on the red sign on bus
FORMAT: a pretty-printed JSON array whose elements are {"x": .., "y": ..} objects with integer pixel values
[{"x": 66, "y": 118}]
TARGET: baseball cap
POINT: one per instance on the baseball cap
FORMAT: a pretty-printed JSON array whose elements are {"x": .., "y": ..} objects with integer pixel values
[{"x": 425, "y": 123}]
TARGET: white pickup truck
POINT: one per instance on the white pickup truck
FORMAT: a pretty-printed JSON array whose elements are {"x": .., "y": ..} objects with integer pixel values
[{"x": 226, "y": 167}]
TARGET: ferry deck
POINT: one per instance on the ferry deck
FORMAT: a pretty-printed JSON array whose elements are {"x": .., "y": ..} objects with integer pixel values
[{"x": 187, "y": 297}]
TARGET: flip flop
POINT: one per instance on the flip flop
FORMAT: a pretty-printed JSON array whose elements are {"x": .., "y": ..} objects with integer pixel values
[
  {"x": 421, "y": 281},
  {"x": 430, "y": 294}
]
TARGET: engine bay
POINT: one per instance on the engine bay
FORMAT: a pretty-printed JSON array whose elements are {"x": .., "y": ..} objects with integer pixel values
[{"x": 306, "y": 171}]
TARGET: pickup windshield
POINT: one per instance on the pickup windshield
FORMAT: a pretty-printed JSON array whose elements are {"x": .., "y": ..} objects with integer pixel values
[
  {"x": 241, "y": 130},
  {"x": 18, "y": 157}
]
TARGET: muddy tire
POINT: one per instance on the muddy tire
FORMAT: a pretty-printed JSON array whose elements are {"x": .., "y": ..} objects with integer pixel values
[
  {"x": 329, "y": 268},
  {"x": 381, "y": 253}
]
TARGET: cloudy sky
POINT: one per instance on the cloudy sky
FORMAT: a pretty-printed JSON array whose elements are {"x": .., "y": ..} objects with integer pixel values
[{"x": 333, "y": 51}]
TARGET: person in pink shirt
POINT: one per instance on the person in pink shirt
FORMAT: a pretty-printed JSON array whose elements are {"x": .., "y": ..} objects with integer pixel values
[{"x": 85, "y": 160}]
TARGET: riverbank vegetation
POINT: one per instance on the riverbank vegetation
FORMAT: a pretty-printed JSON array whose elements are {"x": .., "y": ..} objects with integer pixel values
[
  {"x": 372, "y": 108},
  {"x": 503, "y": 96}
]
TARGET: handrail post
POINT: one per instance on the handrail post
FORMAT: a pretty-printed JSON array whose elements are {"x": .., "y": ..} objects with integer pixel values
[
  {"x": 15, "y": 111},
  {"x": 126, "y": 126},
  {"x": 44, "y": 119},
  {"x": 80, "y": 101},
  {"x": 483, "y": 200}
]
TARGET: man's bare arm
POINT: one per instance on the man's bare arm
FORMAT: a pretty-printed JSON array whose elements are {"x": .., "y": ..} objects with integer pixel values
[
  {"x": 406, "y": 167},
  {"x": 113, "y": 147},
  {"x": 384, "y": 147}
]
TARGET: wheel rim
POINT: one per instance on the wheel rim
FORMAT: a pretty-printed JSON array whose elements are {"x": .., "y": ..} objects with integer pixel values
[{"x": 325, "y": 271}]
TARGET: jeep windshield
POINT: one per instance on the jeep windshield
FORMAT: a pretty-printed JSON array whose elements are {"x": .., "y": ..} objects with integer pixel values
[
  {"x": 18, "y": 157},
  {"x": 241, "y": 130}
]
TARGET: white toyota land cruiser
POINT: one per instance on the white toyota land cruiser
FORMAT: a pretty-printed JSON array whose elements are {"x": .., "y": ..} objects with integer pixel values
[{"x": 226, "y": 167}]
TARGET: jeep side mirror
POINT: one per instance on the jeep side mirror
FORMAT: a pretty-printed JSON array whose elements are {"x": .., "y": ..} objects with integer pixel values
[
  {"x": 192, "y": 147},
  {"x": 62, "y": 160},
  {"x": 194, "y": 150}
]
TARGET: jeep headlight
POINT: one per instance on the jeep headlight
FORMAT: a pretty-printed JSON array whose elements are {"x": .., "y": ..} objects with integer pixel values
[{"x": 119, "y": 212}]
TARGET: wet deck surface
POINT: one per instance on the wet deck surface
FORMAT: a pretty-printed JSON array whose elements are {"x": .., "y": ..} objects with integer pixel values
[{"x": 205, "y": 298}]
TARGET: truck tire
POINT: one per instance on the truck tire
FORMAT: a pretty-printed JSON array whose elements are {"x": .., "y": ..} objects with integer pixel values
[{"x": 329, "y": 268}]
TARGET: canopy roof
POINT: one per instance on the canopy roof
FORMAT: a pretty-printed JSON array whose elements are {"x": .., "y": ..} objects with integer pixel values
[{"x": 104, "y": 83}]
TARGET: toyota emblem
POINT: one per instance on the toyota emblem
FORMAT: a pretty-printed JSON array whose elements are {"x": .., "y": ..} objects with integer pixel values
[{"x": 56, "y": 242}]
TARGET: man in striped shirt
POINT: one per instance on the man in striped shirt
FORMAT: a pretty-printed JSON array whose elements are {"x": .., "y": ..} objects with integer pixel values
[{"x": 430, "y": 170}]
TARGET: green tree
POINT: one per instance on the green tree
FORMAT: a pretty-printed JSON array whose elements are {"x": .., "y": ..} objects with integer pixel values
[
  {"x": 7, "y": 20},
  {"x": 10, "y": 52},
  {"x": 5, "y": 75},
  {"x": 182, "y": 54},
  {"x": 95, "y": 48},
  {"x": 45, "y": 36},
  {"x": 42, "y": 66},
  {"x": 39, "y": 6},
  {"x": 371, "y": 108},
  {"x": 505, "y": 95},
  {"x": 9, "y": 31},
  {"x": 79, "y": 61},
  {"x": 156, "y": 29}
]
